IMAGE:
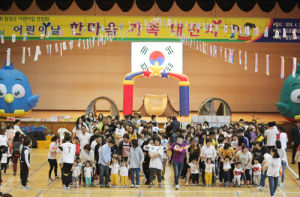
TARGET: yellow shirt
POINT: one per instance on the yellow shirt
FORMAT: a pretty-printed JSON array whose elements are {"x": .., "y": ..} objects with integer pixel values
[
  {"x": 214, "y": 143},
  {"x": 99, "y": 126},
  {"x": 229, "y": 152},
  {"x": 260, "y": 138},
  {"x": 133, "y": 136}
]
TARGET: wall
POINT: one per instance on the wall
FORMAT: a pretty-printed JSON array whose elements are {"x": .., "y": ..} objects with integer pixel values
[{"x": 71, "y": 82}]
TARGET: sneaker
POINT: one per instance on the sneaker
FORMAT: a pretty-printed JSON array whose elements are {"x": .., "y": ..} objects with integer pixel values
[
  {"x": 217, "y": 177},
  {"x": 106, "y": 185},
  {"x": 199, "y": 184},
  {"x": 64, "y": 188},
  {"x": 98, "y": 183},
  {"x": 281, "y": 184},
  {"x": 126, "y": 186},
  {"x": 224, "y": 185},
  {"x": 121, "y": 187},
  {"x": 28, "y": 181},
  {"x": 147, "y": 183},
  {"x": 177, "y": 187},
  {"x": 240, "y": 186},
  {"x": 221, "y": 184},
  {"x": 15, "y": 173},
  {"x": 293, "y": 162},
  {"x": 49, "y": 179},
  {"x": 23, "y": 187},
  {"x": 80, "y": 183},
  {"x": 85, "y": 185},
  {"x": 233, "y": 185},
  {"x": 248, "y": 185},
  {"x": 137, "y": 186},
  {"x": 56, "y": 177},
  {"x": 261, "y": 189},
  {"x": 186, "y": 183},
  {"x": 93, "y": 185},
  {"x": 151, "y": 185},
  {"x": 209, "y": 185},
  {"x": 160, "y": 185},
  {"x": 132, "y": 186},
  {"x": 228, "y": 184},
  {"x": 193, "y": 184},
  {"x": 163, "y": 178},
  {"x": 4, "y": 173},
  {"x": 101, "y": 186},
  {"x": 68, "y": 188}
]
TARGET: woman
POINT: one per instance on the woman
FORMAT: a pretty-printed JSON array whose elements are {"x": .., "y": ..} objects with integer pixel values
[
  {"x": 245, "y": 157},
  {"x": 226, "y": 151},
  {"x": 97, "y": 151},
  {"x": 265, "y": 156},
  {"x": 119, "y": 132},
  {"x": 156, "y": 154},
  {"x": 135, "y": 161},
  {"x": 193, "y": 153},
  {"x": 87, "y": 154},
  {"x": 77, "y": 128},
  {"x": 179, "y": 150},
  {"x": 283, "y": 158},
  {"x": 3, "y": 140},
  {"x": 207, "y": 151},
  {"x": 90, "y": 117},
  {"x": 132, "y": 134},
  {"x": 241, "y": 142},
  {"x": 100, "y": 117},
  {"x": 15, "y": 150},
  {"x": 168, "y": 127},
  {"x": 52, "y": 156},
  {"x": 273, "y": 165}
]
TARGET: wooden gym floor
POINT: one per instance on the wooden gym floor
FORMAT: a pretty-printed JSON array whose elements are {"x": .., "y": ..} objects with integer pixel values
[{"x": 41, "y": 187}]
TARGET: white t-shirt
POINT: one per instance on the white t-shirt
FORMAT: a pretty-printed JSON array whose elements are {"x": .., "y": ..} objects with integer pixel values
[
  {"x": 93, "y": 145},
  {"x": 88, "y": 172},
  {"x": 266, "y": 157},
  {"x": 282, "y": 154},
  {"x": 84, "y": 139},
  {"x": 124, "y": 170},
  {"x": 234, "y": 144},
  {"x": 244, "y": 158},
  {"x": 237, "y": 172},
  {"x": 226, "y": 165},
  {"x": 194, "y": 168},
  {"x": 256, "y": 169},
  {"x": 76, "y": 171},
  {"x": 68, "y": 152},
  {"x": 114, "y": 168},
  {"x": 209, "y": 167},
  {"x": 52, "y": 150},
  {"x": 18, "y": 129},
  {"x": 3, "y": 140},
  {"x": 271, "y": 136},
  {"x": 283, "y": 139},
  {"x": 273, "y": 166},
  {"x": 78, "y": 131},
  {"x": 4, "y": 157},
  {"x": 120, "y": 132},
  {"x": 209, "y": 152},
  {"x": 155, "y": 163}
]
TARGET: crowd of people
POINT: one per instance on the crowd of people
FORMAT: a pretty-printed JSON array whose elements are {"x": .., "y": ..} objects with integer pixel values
[{"x": 102, "y": 150}]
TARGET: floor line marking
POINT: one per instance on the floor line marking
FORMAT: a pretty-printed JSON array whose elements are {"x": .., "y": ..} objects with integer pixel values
[
  {"x": 35, "y": 171},
  {"x": 53, "y": 179},
  {"x": 238, "y": 194},
  {"x": 281, "y": 191},
  {"x": 8, "y": 181},
  {"x": 295, "y": 181},
  {"x": 140, "y": 193},
  {"x": 292, "y": 171},
  {"x": 39, "y": 193},
  {"x": 10, "y": 191}
]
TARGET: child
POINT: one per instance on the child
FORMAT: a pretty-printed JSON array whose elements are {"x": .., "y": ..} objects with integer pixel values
[
  {"x": 5, "y": 155},
  {"x": 88, "y": 173},
  {"x": 25, "y": 163},
  {"x": 75, "y": 173},
  {"x": 209, "y": 168},
  {"x": 79, "y": 164},
  {"x": 234, "y": 143},
  {"x": 124, "y": 174},
  {"x": 194, "y": 172},
  {"x": 237, "y": 174},
  {"x": 114, "y": 172},
  {"x": 256, "y": 172},
  {"x": 298, "y": 155},
  {"x": 226, "y": 167},
  {"x": 76, "y": 140}
]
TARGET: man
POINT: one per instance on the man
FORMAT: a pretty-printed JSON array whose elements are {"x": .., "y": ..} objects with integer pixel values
[
  {"x": 241, "y": 133},
  {"x": 295, "y": 137},
  {"x": 256, "y": 152},
  {"x": 84, "y": 137},
  {"x": 111, "y": 126},
  {"x": 104, "y": 162},
  {"x": 271, "y": 134},
  {"x": 146, "y": 158},
  {"x": 175, "y": 124},
  {"x": 68, "y": 153},
  {"x": 126, "y": 121}
]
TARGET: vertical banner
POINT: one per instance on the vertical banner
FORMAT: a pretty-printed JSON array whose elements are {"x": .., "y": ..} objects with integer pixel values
[
  {"x": 225, "y": 54},
  {"x": 207, "y": 49},
  {"x": 245, "y": 61},
  {"x": 23, "y": 55},
  {"x": 83, "y": 44},
  {"x": 37, "y": 53},
  {"x": 256, "y": 62},
  {"x": 47, "y": 47},
  {"x": 266, "y": 33},
  {"x": 229, "y": 56},
  {"x": 50, "y": 45},
  {"x": 282, "y": 68},
  {"x": 61, "y": 49},
  {"x": 210, "y": 49},
  {"x": 200, "y": 46},
  {"x": 197, "y": 46},
  {"x": 267, "y": 65},
  {"x": 8, "y": 56},
  {"x": 215, "y": 51},
  {"x": 29, "y": 54},
  {"x": 78, "y": 43},
  {"x": 232, "y": 56},
  {"x": 221, "y": 49},
  {"x": 13, "y": 38},
  {"x": 294, "y": 66},
  {"x": 240, "y": 57}
]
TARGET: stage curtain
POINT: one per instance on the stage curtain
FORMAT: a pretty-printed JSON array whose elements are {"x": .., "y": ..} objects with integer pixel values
[
  {"x": 125, "y": 5},
  {"x": 85, "y": 4},
  {"x": 63, "y": 4},
  {"x": 287, "y": 5},
  {"x": 226, "y": 5},
  {"x": 164, "y": 5},
  {"x": 105, "y": 5},
  {"x": 5, "y": 4},
  {"x": 206, "y": 5},
  {"x": 23, "y": 4},
  {"x": 266, "y": 5},
  {"x": 185, "y": 5},
  {"x": 144, "y": 5},
  {"x": 246, "y": 6},
  {"x": 44, "y": 4}
]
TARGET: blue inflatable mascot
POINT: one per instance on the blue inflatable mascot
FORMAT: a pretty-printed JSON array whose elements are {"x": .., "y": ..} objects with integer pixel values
[{"x": 16, "y": 97}]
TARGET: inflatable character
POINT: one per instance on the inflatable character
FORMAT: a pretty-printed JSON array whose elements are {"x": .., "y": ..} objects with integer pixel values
[
  {"x": 16, "y": 97},
  {"x": 289, "y": 105}
]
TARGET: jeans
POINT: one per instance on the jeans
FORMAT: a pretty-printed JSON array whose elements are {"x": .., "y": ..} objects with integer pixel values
[
  {"x": 273, "y": 183},
  {"x": 104, "y": 171},
  {"x": 283, "y": 169},
  {"x": 177, "y": 170},
  {"x": 263, "y": 178},
  {"x": 137, "y": 172}
]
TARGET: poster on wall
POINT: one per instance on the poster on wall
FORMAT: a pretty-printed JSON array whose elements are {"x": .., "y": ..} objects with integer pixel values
[{"x": 167, "y": 54}]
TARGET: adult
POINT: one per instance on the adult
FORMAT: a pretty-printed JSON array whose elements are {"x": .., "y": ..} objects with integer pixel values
[
  {"x": 260, "y": 135},
  {"x": 265, "y": 155},
  {"x": 273, "y": 165},
  {"x": 90, "y": 118},
  {"x": 214, "y": 141},
  {"x": 68, "y": 154},
  {"x": 104, "y": 162},
  {"x": 94, "y": 142},
  {"x": 245, "y": 157},
  {"x": 207, "y": 151},
  {"x": 86, "y": 154},
  {"x": 95, "y": 133},
  {"x": 168, "y": 127},
  {"x": 111, "y": 126},
  {"x": 146, "y": 158},
  {"x": 17, "y": 127},
  {"x": 135, "y": 160},
  {"x": 84, "y": 137},
  {"x": 282, "y": 137},
  {"x": 77, "y": 128},
  {"x": 97, "y": 151},
  {"x": 132, "y": 134},
  {"x": 246, "y": 140},
  {"x": 3, "y": 140},
  {"x": 193, "y": 154},
  {"x": 119, "y": 132},
  {"x": 295, "y": 139},
  {"x": 284, "y": 162},
  {"x": 126, "y": 121},
  {"x": 15, "y": 150},
  {"x": 241, "y": 142},
  {"x": 173, "y": 139},
  {"x": 256, "y": 152},
  {"x": 25, "y": 163},
  {"x": 175, "y": 124},
  {"x": 179, "y": 150},
  {"x": 271, "y": 134},
  {"x": 224, "y": 152},
  {"x": 10, "y": 133},
  {"x": 124, "y": 148},
  {"x": 52, "y": 156},
  {"x": 100, "y": 118}
]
